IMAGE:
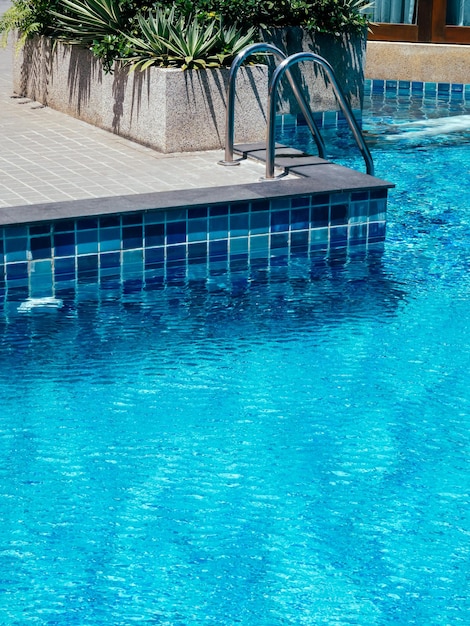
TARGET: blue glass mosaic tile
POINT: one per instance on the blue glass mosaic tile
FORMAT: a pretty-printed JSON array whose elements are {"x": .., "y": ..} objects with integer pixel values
[
  {"x": 239, "y": 224},
  {"x": 319, "y": 238},
  {"x": 299, "y": 240},
  {"x": 154, "y": 235},
  {"x": 260, "y": 205},
  {"x": 132, "y": 219},
  {"x": 279, "y": 221},
  {"x": 87, "y": 266},
  {"x": 40, "y": 229},
  {"x": 359, "y": 195},
  {"x": 339, "y": 214},
  {"x": 358, "y": 233},
  {"x": 300, "y": 202},
  {"x": 239, "y": 207},
  {"x": 218, "y": 249},
  {"x": 132, "y": 237},
  {"x": 175, "y": 254},
  {"x": 259, "y": 222},
  {"x": 64, "y": 226},
  {"x": 64, "y": 269},
  {"x": 176, "y": 232},
  {"x": 41, "y": 247},
  {"x": 279, "y": 241},
  {"x": 86, "y": 236},
  {"x": 218, "y": 227},
  {"x": 110, "y": 259},
  {"x": 15, "y": 249},
  {"x": 16, "y": 231},
  {"x": 110, "y": 239},
  {"x": 17, "y": 272},
  {"x": 43, "y": 278},
  {"x": 197, "y": 252},
  {"x": 259, "y": 246},
  {"x": 218, "y": 210},
  {"x": 176, "y": 215},
  {"x": 132, "y": 261},
  {"x": 197, "y": 229},
  {"x": 154, "y": 257},
  {"x": 339, "y": 237},
  {"x": 40, "y": 257},
  {"x": 320, "y": 199},
  {"x": 196, "y": 212},
  {"x": 239, "y": 246},
  {"x": 376, "y": 231},
  {"x": 300, "y": 219},
  {"x": 110, "y": 221},
  {"x": 320, "y": 216},
  {"x": 86, "y": 223},
  {"x": 64, "y": 244}
]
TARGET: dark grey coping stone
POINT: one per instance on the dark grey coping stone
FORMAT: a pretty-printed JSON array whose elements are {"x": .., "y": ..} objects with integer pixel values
[{"x": 314, "y": 179}]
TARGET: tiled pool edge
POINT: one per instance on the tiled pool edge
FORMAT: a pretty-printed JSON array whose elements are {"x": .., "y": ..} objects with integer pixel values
[{"x": 47, "y": 247}]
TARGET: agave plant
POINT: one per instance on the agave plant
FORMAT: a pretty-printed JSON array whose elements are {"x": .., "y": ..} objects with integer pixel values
[
  {"x": 231, "y": 41},
  {"x": 169, "y": 40},
  {"x": 86, "y": 21},
  {"x": 150, "y": 48}
]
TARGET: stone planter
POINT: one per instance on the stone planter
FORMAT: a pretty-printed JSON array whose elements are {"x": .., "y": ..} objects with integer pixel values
[
  {"x": 166, "y": 109},
  {"x": 346, "y": 54}
]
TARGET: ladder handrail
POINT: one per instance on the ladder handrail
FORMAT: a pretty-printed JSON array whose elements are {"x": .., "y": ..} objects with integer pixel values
[
  {"x": 230, "y": 112},
  {"x": 283, "y": 68}
]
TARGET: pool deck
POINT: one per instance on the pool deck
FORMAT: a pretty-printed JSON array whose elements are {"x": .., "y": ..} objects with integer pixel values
[{"x": 53, "y": 166}]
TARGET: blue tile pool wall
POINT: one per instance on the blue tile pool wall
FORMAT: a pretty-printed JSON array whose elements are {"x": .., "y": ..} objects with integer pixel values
[
  {"x": 435, "y": 99},
  {"x": 323, "y": 119},
  {"x": 38, "y": 259}
]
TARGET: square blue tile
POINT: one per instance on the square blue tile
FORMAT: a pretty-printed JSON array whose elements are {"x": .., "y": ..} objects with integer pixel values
[
  {"x": 176, "y": 232},
  {"x": 239, "y": 207},
  {"x": 239, "y": 224},
  {"x": 154, "y": 257},
  {"x": 279, "y": 221},
  {"x": 132, "y": 237},
  {"x": 16, "y": 249},
  {"x": 218, "y": 249},
  {"x": 197, "y": 252},
  {"x": 259, "y": 246},
  {"x": 64, "y": 268},
  {"x": 154, "y": 235},
  {"x": 41, "y": 247},
  {"x": 259, "y": 222},
  {"x": 300, "y": 219},
  {"x": 239, "y": 246}
]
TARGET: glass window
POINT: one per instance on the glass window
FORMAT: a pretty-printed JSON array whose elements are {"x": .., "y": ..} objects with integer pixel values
[
  {"x": 394, "y": 11},
  {"x": 458, "y": 12}
]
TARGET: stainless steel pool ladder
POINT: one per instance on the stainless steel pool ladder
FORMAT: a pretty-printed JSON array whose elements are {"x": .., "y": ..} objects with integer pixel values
[
  {"x": 284, "y": 68},
  {"x": 266, "y": 48}
]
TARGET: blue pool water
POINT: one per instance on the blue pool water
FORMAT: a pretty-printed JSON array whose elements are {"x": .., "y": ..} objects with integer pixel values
[{"x": 269, "y": 447}]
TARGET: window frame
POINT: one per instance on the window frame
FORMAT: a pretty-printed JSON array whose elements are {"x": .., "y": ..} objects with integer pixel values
[{"x": 431, "y": 27}]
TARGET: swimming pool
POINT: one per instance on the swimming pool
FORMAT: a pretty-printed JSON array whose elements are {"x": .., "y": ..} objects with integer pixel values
[{"x": 265, "y": 446}]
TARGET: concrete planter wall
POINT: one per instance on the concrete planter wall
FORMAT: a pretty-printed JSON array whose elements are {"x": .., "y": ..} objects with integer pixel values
[
  {"x": 173, "y": 111},
  {"x": 166, "y": 109},
  {"x": 346, "y": 54}
]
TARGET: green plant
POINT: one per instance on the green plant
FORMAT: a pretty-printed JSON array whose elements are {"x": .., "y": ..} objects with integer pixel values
[
  {"x": 28, "y": 17},
  {"x": 86, "y": 21},
  {"x": 174, "y": 33},
  {"x": 169, "y": 40},
  {"x": 231, "y": 41}
]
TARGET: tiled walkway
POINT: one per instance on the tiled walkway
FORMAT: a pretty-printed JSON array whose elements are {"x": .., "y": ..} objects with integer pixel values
[{"x": 47, "y": 156}]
